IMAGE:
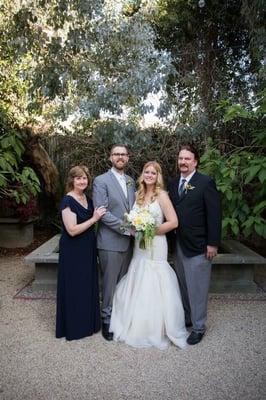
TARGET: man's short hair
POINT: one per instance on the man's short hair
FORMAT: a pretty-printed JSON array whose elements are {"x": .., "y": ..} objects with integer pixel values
[
  {"x": 192, "y": 149},
  {"x": 119, "y": 145}
]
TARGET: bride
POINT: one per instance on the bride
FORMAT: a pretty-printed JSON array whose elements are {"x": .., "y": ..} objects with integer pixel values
[{"x": 147, "y": 307}]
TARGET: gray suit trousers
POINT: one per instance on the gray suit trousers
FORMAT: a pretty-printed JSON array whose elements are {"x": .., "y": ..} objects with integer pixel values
[
  {"x": 194, "y": 275},
  {"x": 113, "y": 266}
]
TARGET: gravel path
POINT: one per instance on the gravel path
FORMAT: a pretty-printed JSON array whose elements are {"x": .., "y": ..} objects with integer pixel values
[{"x": 228, "y": 364}]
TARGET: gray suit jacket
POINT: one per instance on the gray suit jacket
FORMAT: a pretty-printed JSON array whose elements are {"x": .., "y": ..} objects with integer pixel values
[{"x": 107, "y": 192}]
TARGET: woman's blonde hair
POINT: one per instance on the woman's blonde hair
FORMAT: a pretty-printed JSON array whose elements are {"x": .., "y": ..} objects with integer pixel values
[
  {"x": 159, "y": 185},
  {"x": 74, "y": 172}
]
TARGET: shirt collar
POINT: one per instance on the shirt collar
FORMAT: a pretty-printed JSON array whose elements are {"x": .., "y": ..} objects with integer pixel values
[
  {"x": 187, "y": 178},
  {"x": 117, "y": 175}
]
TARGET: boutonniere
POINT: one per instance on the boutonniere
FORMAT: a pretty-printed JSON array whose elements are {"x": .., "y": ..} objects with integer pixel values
[
  {"x": 189, "y": 187},
  {"x": 129, "y": 183}
]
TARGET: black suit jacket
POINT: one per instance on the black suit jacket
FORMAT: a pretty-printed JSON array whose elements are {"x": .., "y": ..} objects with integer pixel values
[{"x": 199, "y": 214}]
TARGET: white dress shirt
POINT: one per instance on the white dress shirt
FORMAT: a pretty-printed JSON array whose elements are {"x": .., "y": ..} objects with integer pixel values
[
  {"x": 187, "y": 178},
  {"x": 121, "y": 180}
]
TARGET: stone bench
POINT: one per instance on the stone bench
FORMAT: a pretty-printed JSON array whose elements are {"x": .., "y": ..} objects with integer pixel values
[
  {"x": 235, "y": 269},
  {"x": 45, "y": 259}
]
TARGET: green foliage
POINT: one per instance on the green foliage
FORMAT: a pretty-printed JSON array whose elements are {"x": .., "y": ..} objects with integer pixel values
[
  {"x": 18, "y": 182},
  {"x": 217, "y": 51},
  {"x": 241, "y": 176},
  {"x": 84, "y": 57},
  {"x": 131, "y": 7}
]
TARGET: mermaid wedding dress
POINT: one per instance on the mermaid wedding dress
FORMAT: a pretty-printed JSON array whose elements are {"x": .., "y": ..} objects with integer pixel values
[{"x": 147, "y": 307}]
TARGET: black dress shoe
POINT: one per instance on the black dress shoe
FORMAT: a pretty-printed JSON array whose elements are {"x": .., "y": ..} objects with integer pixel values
[
  {"x": 105, "y": 332},
  {"x": 195, "y": 337}
]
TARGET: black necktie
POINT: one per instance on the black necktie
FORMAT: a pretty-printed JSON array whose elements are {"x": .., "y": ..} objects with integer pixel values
[{"x": 182, "y": 187}]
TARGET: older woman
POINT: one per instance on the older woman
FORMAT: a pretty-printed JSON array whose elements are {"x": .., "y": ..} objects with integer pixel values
[
  {"x": 78, "y": 312},
  {"x": 147, "y": 307}
]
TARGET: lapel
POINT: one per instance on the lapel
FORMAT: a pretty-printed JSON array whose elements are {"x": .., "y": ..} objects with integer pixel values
[
  {"x": 194, "y": 178},
  {"x": 118, "y": 188},
  {"x": 130, "y": 191}
]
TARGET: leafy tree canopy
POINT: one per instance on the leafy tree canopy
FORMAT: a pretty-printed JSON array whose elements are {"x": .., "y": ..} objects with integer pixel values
[
  {"x": 83, "y": 56},
  {"x": 217, "y": 50}
]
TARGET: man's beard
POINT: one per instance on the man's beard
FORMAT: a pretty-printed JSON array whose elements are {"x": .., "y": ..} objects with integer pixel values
[{"x": 120, "y": 166}]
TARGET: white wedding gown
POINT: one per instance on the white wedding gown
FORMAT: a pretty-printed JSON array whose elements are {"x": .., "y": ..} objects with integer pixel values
[{"x": 147, "y": 307}]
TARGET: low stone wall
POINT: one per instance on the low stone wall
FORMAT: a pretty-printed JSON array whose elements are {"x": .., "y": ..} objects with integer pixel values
[
  {"x": 236, "y": 269},
  {"x": 14, "y": 233}
]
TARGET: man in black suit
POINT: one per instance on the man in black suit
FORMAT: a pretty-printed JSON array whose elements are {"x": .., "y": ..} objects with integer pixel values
[{"x": 197, "y": 204}]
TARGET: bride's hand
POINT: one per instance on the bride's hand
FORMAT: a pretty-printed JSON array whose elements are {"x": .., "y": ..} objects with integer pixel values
[{"x": 157, "y": 230}]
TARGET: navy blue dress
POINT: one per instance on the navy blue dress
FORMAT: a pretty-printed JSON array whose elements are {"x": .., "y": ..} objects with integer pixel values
[{"x": 78, "y": 312}]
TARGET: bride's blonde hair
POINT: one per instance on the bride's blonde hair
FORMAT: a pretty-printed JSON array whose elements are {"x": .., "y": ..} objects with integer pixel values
[{"x": 159, "y": 185}]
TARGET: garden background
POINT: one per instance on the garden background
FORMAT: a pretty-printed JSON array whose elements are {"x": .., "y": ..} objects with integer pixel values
[{"x": 77, "y": 76}]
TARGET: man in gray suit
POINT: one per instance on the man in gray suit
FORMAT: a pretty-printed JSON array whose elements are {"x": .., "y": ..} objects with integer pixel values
[{"x": 116, "y": 191}]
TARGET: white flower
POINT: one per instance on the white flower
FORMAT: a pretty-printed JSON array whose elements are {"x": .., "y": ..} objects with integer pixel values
[
  {"x": 189, "y": 187},
  {"x": 143, "y": 222}
]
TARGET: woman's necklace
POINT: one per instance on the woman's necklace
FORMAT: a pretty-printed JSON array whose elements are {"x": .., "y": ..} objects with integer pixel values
[{"x": 80, "y": 198}]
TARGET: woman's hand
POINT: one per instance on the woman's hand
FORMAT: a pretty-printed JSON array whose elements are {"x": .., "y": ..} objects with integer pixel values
[{"x": 99, "y": 213}]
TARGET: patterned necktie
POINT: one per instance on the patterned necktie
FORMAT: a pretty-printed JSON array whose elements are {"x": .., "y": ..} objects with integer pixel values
[{"x": 182, "y": 187}]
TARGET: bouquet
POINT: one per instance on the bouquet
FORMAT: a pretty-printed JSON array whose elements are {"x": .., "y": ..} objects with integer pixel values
[{"x": 143, "y": 222}]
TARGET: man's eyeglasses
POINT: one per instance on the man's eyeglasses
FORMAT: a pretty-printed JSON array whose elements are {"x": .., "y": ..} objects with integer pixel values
[{"x": 120, "y": 154}]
